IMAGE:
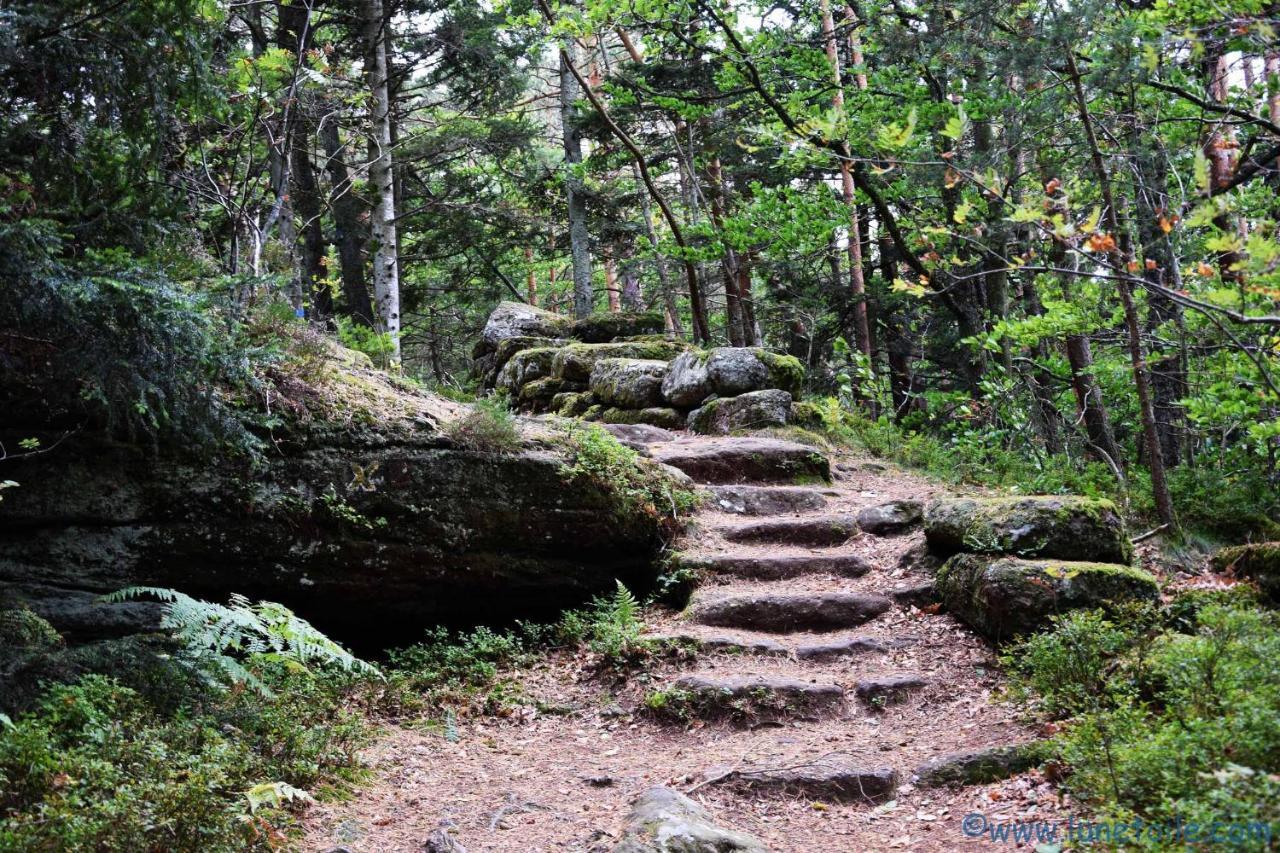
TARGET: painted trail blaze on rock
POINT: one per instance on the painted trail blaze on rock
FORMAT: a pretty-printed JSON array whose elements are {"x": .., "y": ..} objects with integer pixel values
[
  {"x": 1005, "y": 596},
  {"x": 1063, "y": 527}
]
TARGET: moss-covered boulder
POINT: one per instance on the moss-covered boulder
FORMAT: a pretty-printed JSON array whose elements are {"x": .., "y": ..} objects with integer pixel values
[
  {"x": 657, "y": 416},
  {"x": 571, "y": 404},
  {"x": 489, "y": 366},
  {"x": 525, "y": 366},
  {"x": 628, "y": 383},
  {"x": 1258, "y": 562},
  {"x": 1004, "y": 596},
  {"x": 602, "y": 328},
  {"x": 574, "y": 362},
  {"x": 729, "y": 372},
  {"x": 538, "y": 394},
  {"x": 22, "y": 630},
  {"x": 753, "y": 410},
  {"x": 1063, "y": 527},
  {"x": 515, "y": 320}
]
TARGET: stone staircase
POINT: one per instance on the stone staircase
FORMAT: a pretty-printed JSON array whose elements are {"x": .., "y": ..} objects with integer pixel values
[{"x": 800, "y": 627}]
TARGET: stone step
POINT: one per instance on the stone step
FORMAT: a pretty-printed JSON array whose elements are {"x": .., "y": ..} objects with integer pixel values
[
  {"x": 831, "y": 779},
  {"x": 890, "y": 689},
  {"x": 892, "y": 517},
  {"x": 846, "y": 647},
  {"x": 724, "y": 643},
  {"x": 639, "y": 436},
  {"x": 779, "y": 566},
  {"x": 766, "y": 500},
  {"x": 979, "y": 766},
  {"x": 782, "y": 613},
  {"x": 744, "y": 698},
  {"x": 745, "y": 459},
  {"x": 815, "y": 531}
]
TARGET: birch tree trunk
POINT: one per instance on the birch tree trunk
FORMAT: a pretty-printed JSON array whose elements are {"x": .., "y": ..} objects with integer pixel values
[{"x": 382, "y": 219}]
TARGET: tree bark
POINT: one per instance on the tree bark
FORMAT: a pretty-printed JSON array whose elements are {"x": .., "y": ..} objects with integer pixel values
[
  {"x": 346, "y": 209},
  {"x": 382, "y": 219},
  {"x": 579, "y": 240}
]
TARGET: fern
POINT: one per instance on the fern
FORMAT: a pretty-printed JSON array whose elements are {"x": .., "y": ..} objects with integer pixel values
[{"x": 218, "y": 640}]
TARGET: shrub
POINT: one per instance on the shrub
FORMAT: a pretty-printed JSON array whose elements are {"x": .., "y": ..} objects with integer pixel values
[
  {"x": 379, "y": 346},
  {"x": 1161, "y": 724},
  {"x": 489, "y": 427}
]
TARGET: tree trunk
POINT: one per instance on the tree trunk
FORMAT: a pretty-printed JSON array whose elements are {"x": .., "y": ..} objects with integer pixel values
[
  {"x": 1123, "y": 255},
  {"x": 857, "y": 281},
  {"x": 579, "y": 240},
  {"x": 660, "y": 264},
  {"x": 346, "y": 209},
  {"x": 531, "y": 278},
  {"x": 382, "y": 219},
  {"x": 611, "y": 284}
]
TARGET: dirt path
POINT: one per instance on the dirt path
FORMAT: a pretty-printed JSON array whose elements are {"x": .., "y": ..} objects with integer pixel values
[{"x": 821, "y": 684}]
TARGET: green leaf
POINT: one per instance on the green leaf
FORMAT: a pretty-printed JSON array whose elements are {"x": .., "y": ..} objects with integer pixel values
[
  {"x": 1202, "y": 171},
  {"x": 956, "y": 125}
]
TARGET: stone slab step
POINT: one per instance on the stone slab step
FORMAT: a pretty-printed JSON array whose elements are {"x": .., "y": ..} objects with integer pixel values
[
  {"x": 766, "y": 500},
  {"x": 745, "y": 698},
  {"x": 892, "y": 517},
  {"x": 725, "y": 643},
  {"x": 779, "y": 566},
  {"x": 745, "y": 459},
  {"x": 847, "y": 647},
  {"x": 978, "y": 766},
  {"x": 829, "y": 779},
  {"x": 781, "y": 613},
  {"x": 816, "y": 531},
  {"x": 890, "y": 689}
]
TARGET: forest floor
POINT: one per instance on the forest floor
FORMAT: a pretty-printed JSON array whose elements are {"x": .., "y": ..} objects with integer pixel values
[{"x": 561, "y": 770}]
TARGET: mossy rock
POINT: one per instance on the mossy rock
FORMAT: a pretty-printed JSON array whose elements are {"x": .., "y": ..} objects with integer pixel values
[
  {"x": 753, "y": 410},
  {"x": 785, "y": 371},
  {"x": 516, "y": 320},
  {"x": 574, "y": 362},
  {"x": 592, "y": 412},
  {"x": 980, "y": 766},
  {"x": 808, "y": 415},
  {"x": 525, "y": 366},
  {"x": 539, "y": 393},
  {"x": 22, "y": 629},
  {"x": 1002, "y": 597},
  {"x": 510, "y": 346},
  {"x": 653, "y": 416},
  {"x": 1064, "y": 527},
  {"x": 602, "y": 328},
  {"x": 570, "y": 404},
  {"x": 628, "y": 383},
  {"x": 1259, "y": 562}
]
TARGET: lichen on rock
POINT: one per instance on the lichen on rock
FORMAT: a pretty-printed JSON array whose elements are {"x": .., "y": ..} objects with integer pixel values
[{"x": 1061, "y": 526}]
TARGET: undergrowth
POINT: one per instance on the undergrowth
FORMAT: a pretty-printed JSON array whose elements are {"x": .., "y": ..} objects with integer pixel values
[
  {"x": 1165, "y": 715},
  {"x": 489, "y": 427}
]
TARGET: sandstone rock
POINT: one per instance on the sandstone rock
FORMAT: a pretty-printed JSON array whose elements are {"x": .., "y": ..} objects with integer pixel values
[
  {"x": 849, "y": 646},
  {"x": 746, "y": 697},
  {"x": 729, "y": 372},
  {"x": 828, "y": 779},
  {"x": 574, "y": 362},
  {"x": 1258, "y": 562},
  {"x": 829, "y": 611},
  {"x": 736, "y": 370},
  {"x": 602, "y": 328},
  {"x": 814, "y": 530},
  {"x": 372, "y": 536},
  {"x": 746, "y": 460},
  {"x": 515, "y": 319},
  {"x": 753, "y": 410},
  {"x": 507, "y": 348},
  {"x": 1062, "y": 527},
  {"x": 688, "y": 382},
  {"x": 657, "y": 416},
  {"x": 889, "y": 689},
  {"x": 766, "y": 500},
  {"x": 892, "y": 517},
  {"x": 628, "y": 383},
  {"x": 978, "y": 766},
  {"x": 666, "y": 821},
  {"x": 538, "y": 394},
  {"x": 526, "y": 366},
  {"x": 780, "y": 566},
  {"x": 1004, "y": 596},
  {"x": 572, "y": 403},
  {"x": 638, "y": 436}
]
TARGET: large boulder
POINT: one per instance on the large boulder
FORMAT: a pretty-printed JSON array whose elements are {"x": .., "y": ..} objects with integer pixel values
[
  {"x": 753, "y": 410},
  {"x": 663, "y": 820},
  {"x": 488, "y": 367},
  {"x": 515, "y": 319},
  {"x": 1004, "y": 596},
  {"x": 1258, "y": 562},
  {"x": 575, "y": 362},
  {"x": 524, "y": 366},
  {"x": 369, "y": 533},
  {"x": 602, "y": 328},
  {"x": 628, "y": 383},
  {"x": 1063, "y": 527},
  {"x": 728, "y": 372}
]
